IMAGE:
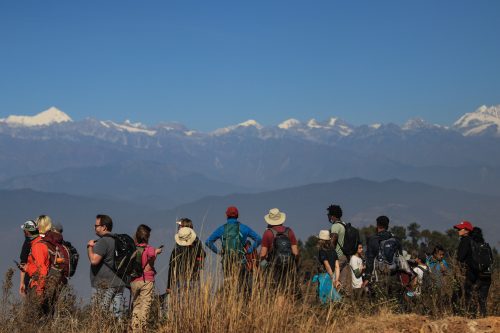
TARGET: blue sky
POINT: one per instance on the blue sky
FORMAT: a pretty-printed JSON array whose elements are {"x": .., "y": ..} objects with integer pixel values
[{"x": 209, "y": 64}]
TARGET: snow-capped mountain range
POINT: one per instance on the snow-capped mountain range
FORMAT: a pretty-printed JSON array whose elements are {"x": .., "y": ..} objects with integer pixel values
[
  {"x": 168, "y": 161},
  {"x": 483, "y": 121}
]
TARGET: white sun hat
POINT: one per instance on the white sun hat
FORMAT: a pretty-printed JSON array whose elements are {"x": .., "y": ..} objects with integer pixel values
[
  {"x": 275, "y": 217},
  {"x": 324, "y": 235},
  {"x": 185, "y": 236}
]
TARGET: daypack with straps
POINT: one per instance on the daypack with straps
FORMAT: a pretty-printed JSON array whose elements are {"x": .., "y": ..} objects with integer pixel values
[
  {"x": 426, "y": 285},
  {"x": 351, "y": 239},
  {"x": 73, "y": 257},
  {"x": 232, "y": 240},
  {"x": 386, "y": 260},
  {"x": 124, "y": 252},
  {"x": 137, "y": 269},
  {"x": 59, "y": 261},
  {"x": 282, "y": 248},
  {"x": 483, "y": 257}
]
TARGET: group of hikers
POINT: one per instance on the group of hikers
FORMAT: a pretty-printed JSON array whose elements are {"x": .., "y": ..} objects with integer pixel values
[{"x": 346, "y": 270}]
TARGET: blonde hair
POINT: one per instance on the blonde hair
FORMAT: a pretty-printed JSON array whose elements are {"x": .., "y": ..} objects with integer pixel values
[{"x": 44, "y": 223}]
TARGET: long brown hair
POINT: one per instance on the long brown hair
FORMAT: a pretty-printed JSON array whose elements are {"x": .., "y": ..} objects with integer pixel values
[{"x": 325, "y": 244}]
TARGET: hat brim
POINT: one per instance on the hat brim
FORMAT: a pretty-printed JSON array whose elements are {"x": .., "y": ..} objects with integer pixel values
[
  {"x": 461, "y": 227},
  {"x": 280, "y": 221},
  {"x": 183, "y": 242},
  {"x": 325, "y": 239}
]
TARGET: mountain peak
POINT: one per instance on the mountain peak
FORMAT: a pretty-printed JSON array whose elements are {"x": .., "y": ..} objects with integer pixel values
[
  {"x": 48, "y": 117},
  {"x": 250, "y": 123},
  {"x": 289, "y": 123},
  {"x": 416, "y": 123},
  {"x": 483, "y": 120}
]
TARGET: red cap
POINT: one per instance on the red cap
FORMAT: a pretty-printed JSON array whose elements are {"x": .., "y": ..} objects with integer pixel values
[
  {"x": 464, "y": 225},
  {"x": 232, "y": 211}
]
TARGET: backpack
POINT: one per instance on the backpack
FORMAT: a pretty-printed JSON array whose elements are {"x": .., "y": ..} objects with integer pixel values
[
  {"x": 124, "y": 251},
  {"x": 427, "y": 284},
  {"x": 386, "y": 261},
  {"x": 483, "y": 257},
  {"x": 232, "y": 242},
  {"x": 73, "y": 257},
  {"x": 282, "y": 248},
  {"x": 59, "y": 261},
  {"x": 137, "y": 269},
  {"x": 351, "y": 239}
]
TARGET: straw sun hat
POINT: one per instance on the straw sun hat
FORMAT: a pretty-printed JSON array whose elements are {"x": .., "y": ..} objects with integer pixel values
[
  {"x": 324, "y": 235},
  {"x": 185, "y": 236},
  {"x": 275, "y": 217}
]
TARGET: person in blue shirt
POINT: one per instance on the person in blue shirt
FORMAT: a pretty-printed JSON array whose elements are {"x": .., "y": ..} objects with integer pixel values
[
  {"x": 436, "y": 262},
  {"x": 233, "y": 236}
]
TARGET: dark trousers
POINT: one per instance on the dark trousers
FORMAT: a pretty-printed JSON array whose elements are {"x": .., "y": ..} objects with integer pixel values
[
  {"x": 232, "y": 267},
  {"x": 474, "y": 292}
]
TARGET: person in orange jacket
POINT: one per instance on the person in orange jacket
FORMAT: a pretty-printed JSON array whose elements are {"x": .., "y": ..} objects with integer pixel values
[{"x": 38, "y": 265}]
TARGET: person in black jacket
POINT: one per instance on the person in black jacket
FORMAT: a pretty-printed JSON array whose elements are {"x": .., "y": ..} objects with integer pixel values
[
  {"x": 385, "y": 283},
  {"x": 186, "y": 260},
  {"x": 476, "y": 285},
  {"x": 30, "y": 229}
]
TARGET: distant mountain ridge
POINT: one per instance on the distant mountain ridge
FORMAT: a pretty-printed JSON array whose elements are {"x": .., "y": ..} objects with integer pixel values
[
  {"x": 484, "y": 120},
  {"x": 52, "y": 152}
]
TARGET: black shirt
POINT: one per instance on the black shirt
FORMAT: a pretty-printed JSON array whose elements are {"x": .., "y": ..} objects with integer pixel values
[
  {"x": 185, "y": 263},
  {"x": 464, "y": 257},
  {"x": 25, "y": 250},
  {"x": 373, "y": 248},
  {"x": 328, "y": 255}
]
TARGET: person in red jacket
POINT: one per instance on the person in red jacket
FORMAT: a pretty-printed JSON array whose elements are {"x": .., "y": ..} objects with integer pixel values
[{"x": 38, "y": 265}]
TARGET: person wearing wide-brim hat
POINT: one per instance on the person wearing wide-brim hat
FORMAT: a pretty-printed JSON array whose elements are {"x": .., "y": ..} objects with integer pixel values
[
  {"x": 328, "y": 257},
  {"x": 279, "y": 247},
  {"x": 186, "y": 259}
]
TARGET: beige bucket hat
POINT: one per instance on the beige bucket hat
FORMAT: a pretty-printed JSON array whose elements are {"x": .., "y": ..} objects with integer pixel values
[
  {"x": 185, "y": 236},
  {"x": 324, "y": 235},
  {"x": 275, "y": 217}
]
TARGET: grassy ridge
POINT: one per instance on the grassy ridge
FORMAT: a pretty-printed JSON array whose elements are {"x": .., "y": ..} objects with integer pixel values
[{"x": 207, "y": 307}]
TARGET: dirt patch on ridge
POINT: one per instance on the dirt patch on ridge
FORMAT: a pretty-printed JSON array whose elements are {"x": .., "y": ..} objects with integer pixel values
[{"x": 419, "y": 324}]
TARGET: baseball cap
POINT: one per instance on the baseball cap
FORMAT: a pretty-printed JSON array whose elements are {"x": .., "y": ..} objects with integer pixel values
[
  {"x": 232, "y": 211},
  {"x": 464, "y": 225},
  {"x": 29, "y": 225}
]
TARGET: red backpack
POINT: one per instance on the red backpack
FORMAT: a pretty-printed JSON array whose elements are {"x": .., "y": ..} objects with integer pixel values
[{"x": 59, "y": 259}]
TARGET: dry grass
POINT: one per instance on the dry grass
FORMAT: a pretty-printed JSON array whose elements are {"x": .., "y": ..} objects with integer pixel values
[{"x": 211, "y": 307}]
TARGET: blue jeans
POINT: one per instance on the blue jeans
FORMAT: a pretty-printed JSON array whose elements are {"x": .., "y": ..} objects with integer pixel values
[{"x": 105, "y": 297}]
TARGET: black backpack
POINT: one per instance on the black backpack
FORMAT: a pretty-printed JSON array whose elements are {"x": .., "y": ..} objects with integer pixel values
[
  {"x": 387, "y": 252},
  {"x": 351, "y": 239},
  {"x": 73, "y": 257},
  {"x": 282, "y": 248},
  {"x": 483, "y": 257},
  {"x": 124, "y": 251}
]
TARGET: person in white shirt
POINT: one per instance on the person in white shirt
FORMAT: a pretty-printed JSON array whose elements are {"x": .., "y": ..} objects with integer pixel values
[
  {"x": 421, "y": 272},
  {"x": 357, "y": 270}
]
